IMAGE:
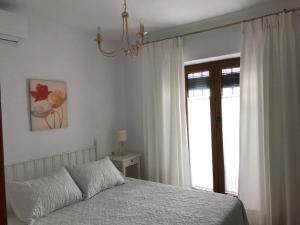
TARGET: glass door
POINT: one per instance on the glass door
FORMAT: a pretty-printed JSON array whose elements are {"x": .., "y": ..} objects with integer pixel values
[
  {"x": 212, "y": 91},
  {"x": 198, "y": 102},
  {"x": 230, "y": 125}
]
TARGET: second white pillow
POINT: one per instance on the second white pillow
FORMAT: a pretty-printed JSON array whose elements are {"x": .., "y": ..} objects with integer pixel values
[{"x": 96, "y": 176}]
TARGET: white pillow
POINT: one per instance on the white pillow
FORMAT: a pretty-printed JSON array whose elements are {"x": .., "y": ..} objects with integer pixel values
[
  {"x": 33, "y": 199},
  {"x": 96, "y": 176}
]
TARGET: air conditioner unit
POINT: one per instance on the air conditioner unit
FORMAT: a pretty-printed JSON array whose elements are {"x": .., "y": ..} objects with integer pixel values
[{"x": 13, "y": 28}]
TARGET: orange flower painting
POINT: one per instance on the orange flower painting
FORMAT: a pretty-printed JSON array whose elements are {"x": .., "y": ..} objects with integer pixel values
[{"x": 48, "y": 104}]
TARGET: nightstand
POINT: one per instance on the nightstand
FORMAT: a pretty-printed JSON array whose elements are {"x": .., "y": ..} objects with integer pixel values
[{"x": 122, "y": 162}]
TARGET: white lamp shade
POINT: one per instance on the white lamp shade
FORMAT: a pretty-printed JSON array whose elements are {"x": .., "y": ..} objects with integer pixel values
[{"x": 121, "y": 135}]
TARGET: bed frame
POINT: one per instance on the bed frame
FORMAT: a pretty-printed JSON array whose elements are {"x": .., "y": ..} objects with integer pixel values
[{"x": 40, "y": 167}]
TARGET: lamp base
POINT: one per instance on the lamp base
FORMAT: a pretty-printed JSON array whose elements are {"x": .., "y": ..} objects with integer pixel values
[{"x": 121, "y": 149}]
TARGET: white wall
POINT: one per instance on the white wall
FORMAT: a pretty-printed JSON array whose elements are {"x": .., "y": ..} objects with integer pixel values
[
  {"x": 134, "y": 98},
  {"x": 215, "y": 43},
  {"x": 95, "y": 91}
]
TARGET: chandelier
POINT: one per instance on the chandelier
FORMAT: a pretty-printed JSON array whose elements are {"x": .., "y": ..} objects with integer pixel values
[{"x": 125, "y": 45}]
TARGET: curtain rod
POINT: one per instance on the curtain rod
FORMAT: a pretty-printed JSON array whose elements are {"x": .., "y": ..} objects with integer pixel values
[{"x": 225, "y": 25}]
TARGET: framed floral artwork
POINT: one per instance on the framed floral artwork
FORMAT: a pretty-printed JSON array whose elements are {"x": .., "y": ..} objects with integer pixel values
[{"x": 48, "y": 104}]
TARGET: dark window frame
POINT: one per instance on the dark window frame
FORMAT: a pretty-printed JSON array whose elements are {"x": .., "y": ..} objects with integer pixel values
[{"x": 215, "y": 75}]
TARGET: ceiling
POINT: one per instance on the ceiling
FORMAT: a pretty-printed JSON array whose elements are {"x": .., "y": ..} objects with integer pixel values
[{"x": 155, "y": 14}]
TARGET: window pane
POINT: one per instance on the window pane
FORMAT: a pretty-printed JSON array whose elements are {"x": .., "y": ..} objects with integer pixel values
[
  {"x": 200, "y": 130},
  {"x": 230, "y": 124}
]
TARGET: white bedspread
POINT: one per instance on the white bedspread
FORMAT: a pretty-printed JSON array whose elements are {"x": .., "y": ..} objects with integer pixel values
[
  {"x": 13, "y": 220},
  {"x": 140, "y": 202}
]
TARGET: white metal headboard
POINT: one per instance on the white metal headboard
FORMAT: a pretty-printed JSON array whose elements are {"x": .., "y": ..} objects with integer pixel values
[{"x": 39, "y": 167}]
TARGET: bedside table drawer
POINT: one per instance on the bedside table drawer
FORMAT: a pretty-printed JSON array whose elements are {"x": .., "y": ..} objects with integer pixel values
[{"x": 131, "y": 162}]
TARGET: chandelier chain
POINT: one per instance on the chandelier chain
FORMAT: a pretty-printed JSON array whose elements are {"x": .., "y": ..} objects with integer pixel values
[{"x": 125, "y": 5}]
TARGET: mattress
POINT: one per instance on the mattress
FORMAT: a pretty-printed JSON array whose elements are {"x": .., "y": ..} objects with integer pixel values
[{"x": 140, "y": 202}]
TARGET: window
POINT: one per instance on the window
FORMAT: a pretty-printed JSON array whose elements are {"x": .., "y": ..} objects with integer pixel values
[{"x": 213, "y": 124}]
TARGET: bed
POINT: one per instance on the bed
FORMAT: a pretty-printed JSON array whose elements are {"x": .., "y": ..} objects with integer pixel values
[{"x": 145, "y": 203}]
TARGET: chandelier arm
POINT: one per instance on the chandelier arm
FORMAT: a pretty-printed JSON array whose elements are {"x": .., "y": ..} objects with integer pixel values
[
  {"x": 108, "y": 53},
  {"x": 125, "y": 6},
  {"x": 118, "y": 49}
]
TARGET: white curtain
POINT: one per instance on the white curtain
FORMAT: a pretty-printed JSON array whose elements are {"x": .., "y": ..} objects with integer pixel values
[
  {"x": 269, "y": 132},
  {"x": 165, "y": 130}
]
